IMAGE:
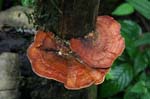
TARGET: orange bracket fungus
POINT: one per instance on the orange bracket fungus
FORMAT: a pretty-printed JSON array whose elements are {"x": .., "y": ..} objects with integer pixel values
[
  {"x": 100, "y": 49},
  {"x": 83, "y": 62}
]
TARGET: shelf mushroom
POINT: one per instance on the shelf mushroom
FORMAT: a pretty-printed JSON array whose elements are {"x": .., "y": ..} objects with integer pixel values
[
  {"x": 52, "y": 59},
  {"x": 46, "y": 62},
  {"x": 101, "y": 48}
]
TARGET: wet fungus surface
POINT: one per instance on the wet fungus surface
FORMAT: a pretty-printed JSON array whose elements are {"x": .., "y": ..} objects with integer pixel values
[{"x": 81, "y": 63}]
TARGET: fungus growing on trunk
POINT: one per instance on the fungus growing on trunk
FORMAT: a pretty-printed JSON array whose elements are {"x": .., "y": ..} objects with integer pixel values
[
  {"x": 47, "y": 62},
  {"x": 89, "y": 62},
  {"x": 101, "y": 48}
]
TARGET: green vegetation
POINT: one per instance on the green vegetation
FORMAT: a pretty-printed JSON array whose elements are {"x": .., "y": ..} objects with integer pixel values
[
  {"x": 129, "y": 76},
  {"x": 28, "y": 3}
]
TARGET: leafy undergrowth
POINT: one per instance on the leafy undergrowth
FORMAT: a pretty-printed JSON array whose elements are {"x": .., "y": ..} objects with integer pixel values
[{"x": 129, "y": 76}]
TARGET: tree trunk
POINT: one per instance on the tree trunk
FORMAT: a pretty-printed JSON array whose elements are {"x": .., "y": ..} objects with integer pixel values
[
  {"x": 68, "y": 19},
  {"x": 77, "y": 17}
]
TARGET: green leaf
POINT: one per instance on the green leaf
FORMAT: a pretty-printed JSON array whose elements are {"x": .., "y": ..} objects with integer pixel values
[
  {"x": 142, "y": 6},
  {"x": 146, "y": 96},
  {"x": 130, "y": 95},
  {"x": 109, "y": 76},
  {"x": 27, "y": 2},
  {"x": 123, "y": 9},
  {"x": 122, "y": 75},
  {"x": 130, "y": 48},
  {"x": 137, "y": 91},
  {"x": 148, "y": 56},
  {"x": 143, "y": 39},
  {"x": 140, "y": 63},
  {"x": 142, "y": 76},
  {"x": 139, "y": 87},
  {"x": 130, "y": 31}
]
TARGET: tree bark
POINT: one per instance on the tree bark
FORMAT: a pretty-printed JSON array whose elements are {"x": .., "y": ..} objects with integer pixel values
[
  {"x": 78, "y": 17},
  {"x": 67, "y": 18}
]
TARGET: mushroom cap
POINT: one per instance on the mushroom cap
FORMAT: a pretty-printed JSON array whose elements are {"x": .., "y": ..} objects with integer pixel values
[
  {"x": 100, "y": 49},
  {"x": 43, "y": 60},
  {"x": 46, "y": 62}
]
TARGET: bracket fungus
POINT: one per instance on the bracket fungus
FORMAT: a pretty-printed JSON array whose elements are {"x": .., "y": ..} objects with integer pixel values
[
  {"x": 101, "y": 48},
  {"x": 84, "y": 62}
]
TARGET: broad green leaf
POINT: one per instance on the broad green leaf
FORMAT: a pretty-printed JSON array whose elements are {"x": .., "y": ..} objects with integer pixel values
[
  {"x": 142, "y": 6},
  {"x": 139, "y": 87},
  {"x": 140, "y": 63},
  {"x": 109, "y": 76},
  {"x": 137, "y": 91},
  {"x": 146, "y": 96},
  {"x": 122, "y": 75},
  {"x": 142, "y": 76},
  {"x": 130, "y": 31},
  {"x": 130, "y": 48},
  {"x": 130, "y": 95},
  {"x": 143, "y": 39},
  {"x": 145, "y": 77},
  {"x": 123, "y": 9}
]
